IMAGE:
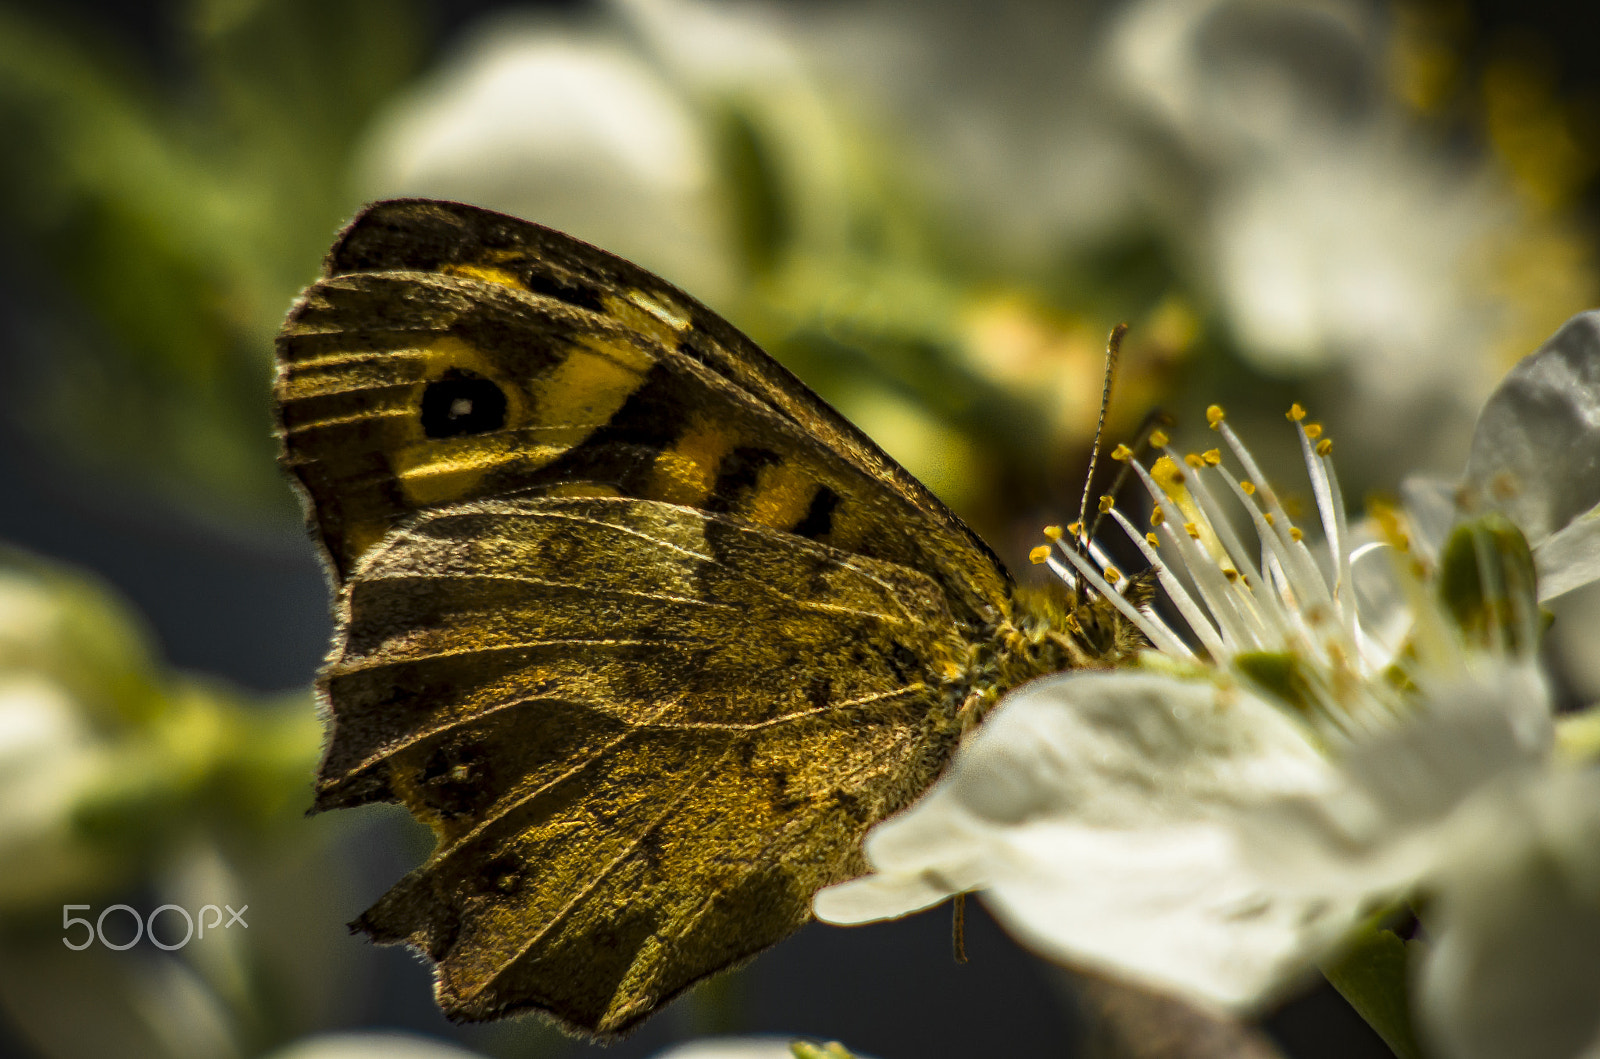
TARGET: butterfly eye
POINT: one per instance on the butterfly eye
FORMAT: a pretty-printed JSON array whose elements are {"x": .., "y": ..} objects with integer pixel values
[{"x": 462, "y": 402}]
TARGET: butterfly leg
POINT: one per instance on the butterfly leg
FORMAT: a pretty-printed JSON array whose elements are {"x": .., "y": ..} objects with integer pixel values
[{"x": 973, "y": 709}]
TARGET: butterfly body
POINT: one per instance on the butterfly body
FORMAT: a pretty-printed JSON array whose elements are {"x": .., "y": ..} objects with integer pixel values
[{"x": 645, "y": 631}]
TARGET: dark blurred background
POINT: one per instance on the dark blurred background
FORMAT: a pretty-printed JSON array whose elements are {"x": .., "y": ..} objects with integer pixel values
[{"x": 173, "y": 171}]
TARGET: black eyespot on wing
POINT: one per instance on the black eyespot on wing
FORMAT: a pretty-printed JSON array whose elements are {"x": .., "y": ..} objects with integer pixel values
[{"x": 462, "y": 402}]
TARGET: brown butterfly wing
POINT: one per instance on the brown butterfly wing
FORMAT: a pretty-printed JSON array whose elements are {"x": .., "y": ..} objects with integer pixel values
[
  {"x": 644, "y": 734},
  {"x": 642, "y": 628},
  {"x": 594, "y": 359}
]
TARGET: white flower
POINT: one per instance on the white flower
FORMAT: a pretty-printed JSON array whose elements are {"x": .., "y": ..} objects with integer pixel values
[
  {"x": 49, "y": 751},
  {"x": 1216, "y": 828},
  {"x": 755, "y": 1048},
  {"x": 568, "y": 124},
  {"x": 1536, "y": 458},
  {"x": 1336, "y": 233},
  {"x": 48, "y": 758},
  {"x": 372, "y": 1046}
]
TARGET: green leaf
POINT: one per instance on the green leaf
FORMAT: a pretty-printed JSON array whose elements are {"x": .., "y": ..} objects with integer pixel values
[{"x": 1371, "y": 975}]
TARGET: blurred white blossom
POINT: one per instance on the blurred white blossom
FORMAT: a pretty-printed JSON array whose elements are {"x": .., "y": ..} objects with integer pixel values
[
  {"x": 569, "y": 126},
  {"x": 611, "y": 127},
  {"x": 372, "y": 1046},
  {"x": 50, "y": 755},
  {"x": 48, "y": 759},
  {"x": 1337, "y": 233},
  {"x": 756, "y": 1048}
]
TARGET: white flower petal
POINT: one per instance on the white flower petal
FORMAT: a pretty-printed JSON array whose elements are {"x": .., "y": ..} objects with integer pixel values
[
  {"x": 1392, "y": 818},
  {"x": 1536, "y": 449},
  {"x": 1573, "y": 635},
  {"x": 1430, "y": 504},
  {"x": 1514, "y": 968},
  {"x": 1570, "y": 557},
  {"x": 1097, "y": 810},
  {"x": 565, "y": 124},
  {"x": 875, "y": 897},
  {"x": 1171, "y": 908},
  {"x": 387, "y": 1045},
  {"x": 732, "y": 1048},
  {"x": 1384, "y": 612}
]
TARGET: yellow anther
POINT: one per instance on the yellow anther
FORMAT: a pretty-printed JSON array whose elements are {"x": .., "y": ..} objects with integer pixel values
[
  {"x": 1192, "y": 530},
  {"x": 950, "y": 671},
  {"x": 1159, "y": 439},
  {"x": 1268, "y": 516},
  {"x": 1387, "y": 518},
  {"x": 1106, "y": 504},
  {"x": 1230, "y": 573},
  {"x": 1122, "y": 453},
  {"x": 1249, "y": 488},
  {"x": 1214, "y": 415},
  {"x": 1167, "y": 474},
  {"x": 1052, "y": 533},
  {"x": 1313, "y": 430},
  {"x": 1324, "y": 446},
  {"x": 1213, "y": 457},
  {"x": 1193, "y": 460},
  {"x": 1075, "y": 528},
  {"x": 1158, "y": 516},
  {"x": 1295, "y": 534},
  {"x": 1112, "y": 575},
  {"x": 1039, "y": 555},
  {"x": 1152, "y": 539},
  {"x": 1295, "y": 413}
]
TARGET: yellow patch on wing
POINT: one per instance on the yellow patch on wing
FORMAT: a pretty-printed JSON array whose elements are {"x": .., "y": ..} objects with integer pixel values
[
  {"x": 448, "y": 351},
  {"x": 782, "y": 493},
  {"x": 592, "y": 383},
  {"x": 434, "y": 477},
  {"x": 648, "y": 314},
  {"x": 349, "y": 372},
  {"x": 686, "y": 473},
  {"x": 486, "y": 273}
]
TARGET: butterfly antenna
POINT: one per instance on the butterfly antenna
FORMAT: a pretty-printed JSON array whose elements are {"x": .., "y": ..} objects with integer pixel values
[
  {"x": 1113, "y": 348},
  {"x": 1154, "y": 421}
]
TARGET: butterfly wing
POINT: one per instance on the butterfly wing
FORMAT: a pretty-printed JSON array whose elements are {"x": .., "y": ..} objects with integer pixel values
[
  {"x": 644, "y": 734},
  {"x": 577, "y": 365},
  {"x": 641, "y": 627}
]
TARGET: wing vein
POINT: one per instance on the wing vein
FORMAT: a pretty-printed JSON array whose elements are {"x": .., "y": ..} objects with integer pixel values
[
  {"x": 605, "y": 872},
  {"x": 345, "y": 669},
  {"x": 456, "y": 578},
  {"x": 754, "y": 726}
]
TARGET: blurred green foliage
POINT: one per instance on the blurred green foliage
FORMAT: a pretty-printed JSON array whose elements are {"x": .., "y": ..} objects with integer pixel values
[
  {"x": 120, "y": 760},
  {"x": 182, "y": 212}
]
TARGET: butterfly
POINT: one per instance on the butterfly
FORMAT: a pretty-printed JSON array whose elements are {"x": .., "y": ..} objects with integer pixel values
[{"x": 646, "y": 632}]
